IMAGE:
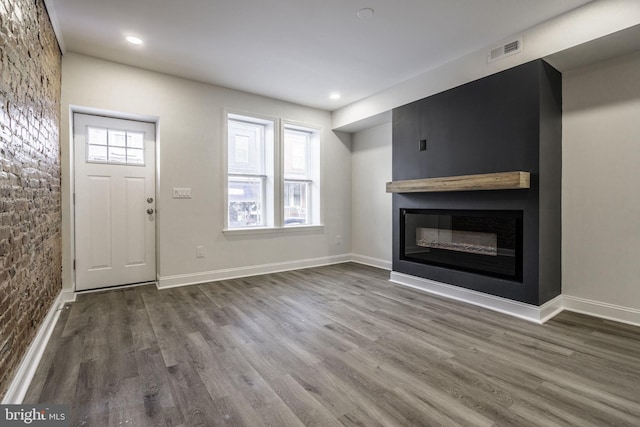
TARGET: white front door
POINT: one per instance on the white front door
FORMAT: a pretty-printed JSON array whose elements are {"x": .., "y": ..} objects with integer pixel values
[{"x": 114, "y": 201}]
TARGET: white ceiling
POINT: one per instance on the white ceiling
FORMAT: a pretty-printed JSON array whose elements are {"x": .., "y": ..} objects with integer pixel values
[{"x": 295, "y": 50}]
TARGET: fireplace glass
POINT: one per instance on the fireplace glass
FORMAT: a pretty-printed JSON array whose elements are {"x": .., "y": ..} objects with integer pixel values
[{"x": 477, "y": 241}]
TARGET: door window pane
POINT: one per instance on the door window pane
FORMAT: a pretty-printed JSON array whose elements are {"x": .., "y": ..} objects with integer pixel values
[
  {"x": 113, "y": 146},
  {"x": 97, "y": 136},
  {"x": 97, "y": 153},
  {"x": 117, "y": 138},
  {"x": 117, "y": 155},
  {"x": 135, "y": 156},
  {"x": 135, "y": 140}
]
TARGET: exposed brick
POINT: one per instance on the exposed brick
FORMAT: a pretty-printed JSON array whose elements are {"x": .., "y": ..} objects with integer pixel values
[{"x": 30, "y": 199}]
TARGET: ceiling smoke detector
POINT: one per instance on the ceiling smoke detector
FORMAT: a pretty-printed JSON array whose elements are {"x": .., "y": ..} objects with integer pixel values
[{"x": 365, "y": 13}]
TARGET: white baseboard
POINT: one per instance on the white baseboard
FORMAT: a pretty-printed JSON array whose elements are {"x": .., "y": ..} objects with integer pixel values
[
  {"x": 254, "y": 270},
  {"x": 67, "y": 295},
  {"x": 370, "y": 261},
  {"x": 29, "y": 363},
  {"x": 532, "y": 313},
  {"x": 551, "y": 309},
  {"x": 603, "y": 310}
]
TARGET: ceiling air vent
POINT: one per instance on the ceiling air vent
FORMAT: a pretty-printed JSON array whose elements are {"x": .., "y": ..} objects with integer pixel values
[{"x": 507, "y": 49}]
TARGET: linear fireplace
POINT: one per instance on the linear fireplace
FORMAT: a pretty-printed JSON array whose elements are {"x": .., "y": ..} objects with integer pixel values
[
  {"x": 487, "y": 242},
  {"x": 451, "y": 155}
]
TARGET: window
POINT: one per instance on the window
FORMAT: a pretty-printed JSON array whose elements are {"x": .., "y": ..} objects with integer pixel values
[
  {"x": 298, "y": 175},
  {"x": 271, "y": 182},
  {"x": 250, "y": 171},
  {"x": 115, "y": 146}
]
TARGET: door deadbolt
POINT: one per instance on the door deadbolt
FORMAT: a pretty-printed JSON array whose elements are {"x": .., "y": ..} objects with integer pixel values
[
  {"x": 149, "y": 199},
  {"x": 149, "y": 211}
]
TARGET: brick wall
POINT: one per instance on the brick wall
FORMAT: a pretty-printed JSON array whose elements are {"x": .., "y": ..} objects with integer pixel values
[{"x": 30, "y": 199}]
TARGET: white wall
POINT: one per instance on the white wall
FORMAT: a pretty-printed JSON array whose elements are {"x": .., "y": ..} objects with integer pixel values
[
  {"x": 600, "y": 195},
  {"x": 371, "y": 205},
  {"x": 191, "y": 136},
  {"x": 581, "y": 25}
]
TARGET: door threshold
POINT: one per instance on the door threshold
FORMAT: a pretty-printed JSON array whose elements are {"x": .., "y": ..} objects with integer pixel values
[{"x": 117, "y": 287}]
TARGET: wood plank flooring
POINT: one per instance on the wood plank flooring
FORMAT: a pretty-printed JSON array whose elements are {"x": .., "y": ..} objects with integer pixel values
[{"x": 330, "y": 346}]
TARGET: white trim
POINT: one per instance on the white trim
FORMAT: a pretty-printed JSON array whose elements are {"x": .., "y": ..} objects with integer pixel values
[
  {"x": 234, "y": 273},
  {"x": 602, "y": 310},
  {"x": 370, "y": 261},
  {"x": 270, "y": 230},
  {"x": 113, "y": 114},
  {"x": 521, "y": 310},
  {"x": 271, "y": 204},
  {"x": 551, "y": 309},
  {"x": 30, "y": 361},
  {"x": 67, "y": 295},
  {"x": 115, "y": 288}
]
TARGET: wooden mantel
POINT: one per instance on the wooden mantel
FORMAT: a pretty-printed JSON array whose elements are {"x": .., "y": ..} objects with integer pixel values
[{"x": 486, "y": 181}]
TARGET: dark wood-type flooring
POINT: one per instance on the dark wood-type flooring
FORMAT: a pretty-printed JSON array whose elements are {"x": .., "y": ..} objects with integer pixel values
[{"x": 330, "y": 346}]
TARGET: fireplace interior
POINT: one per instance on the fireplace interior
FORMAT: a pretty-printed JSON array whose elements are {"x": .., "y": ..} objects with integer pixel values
[{"x": 476, "y": 241}]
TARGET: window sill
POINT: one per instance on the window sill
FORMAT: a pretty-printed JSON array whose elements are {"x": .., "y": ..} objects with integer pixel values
[{"x": 272, "y": 230}]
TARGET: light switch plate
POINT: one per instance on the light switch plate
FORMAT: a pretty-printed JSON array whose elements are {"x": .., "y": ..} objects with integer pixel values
[{"x": 181, "y": 193}]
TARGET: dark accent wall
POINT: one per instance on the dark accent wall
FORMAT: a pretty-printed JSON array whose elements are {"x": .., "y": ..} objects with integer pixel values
[
  {"x": 30, "y": 198},
  {"x": 505, "y": 122}
]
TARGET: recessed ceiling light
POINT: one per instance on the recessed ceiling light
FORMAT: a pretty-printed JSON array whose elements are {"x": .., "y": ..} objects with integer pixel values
[
  {"x": 334, "y": 95},
  {"x": 134, "y": 40},
  {"x": 365, "y": 13}
]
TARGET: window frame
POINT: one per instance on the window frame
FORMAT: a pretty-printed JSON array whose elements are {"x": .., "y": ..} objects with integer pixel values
[
  {"x": 274, "y": 209},
  {"x": 313, "y": 175},
  {"x": 268, "y": 173}
]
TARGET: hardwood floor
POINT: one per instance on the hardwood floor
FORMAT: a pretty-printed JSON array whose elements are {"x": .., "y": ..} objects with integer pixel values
[{"x": 330, "y": 346}]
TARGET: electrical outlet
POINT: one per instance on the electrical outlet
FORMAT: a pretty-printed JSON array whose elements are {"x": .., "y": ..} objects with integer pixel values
[
  {"x": 338, "y": 239},
  {"x": 199, "y": 251},
  {"x": 423, "y": 145}
]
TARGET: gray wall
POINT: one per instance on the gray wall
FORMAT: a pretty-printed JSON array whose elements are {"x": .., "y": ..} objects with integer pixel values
[
  {"x": 601, "y": 173},
  {"x": 371, "y": 205}
]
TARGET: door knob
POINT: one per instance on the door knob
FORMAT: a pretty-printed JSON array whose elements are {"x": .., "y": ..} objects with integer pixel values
[
  {"x": 149, "y": 211},
  {"x": 150, "y": 200}
]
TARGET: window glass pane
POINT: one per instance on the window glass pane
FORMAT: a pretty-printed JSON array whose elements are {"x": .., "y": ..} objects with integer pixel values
[
  {"x": 96, "y": 136},
  {"x": 117, "y": 138},
  {"x": 97, "y": 153},
  {"x": 296, "y": 153},
  {"x": 241, "y": 149},
  {"x": 245, "y": 202},
  {"x": 117, "y": 155},
  {"x": 246, "y": 147},
  {"x": 296, "y": 203},
  {"x": 135, "y": 156},
  {"x": 135, "y": 139}
]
